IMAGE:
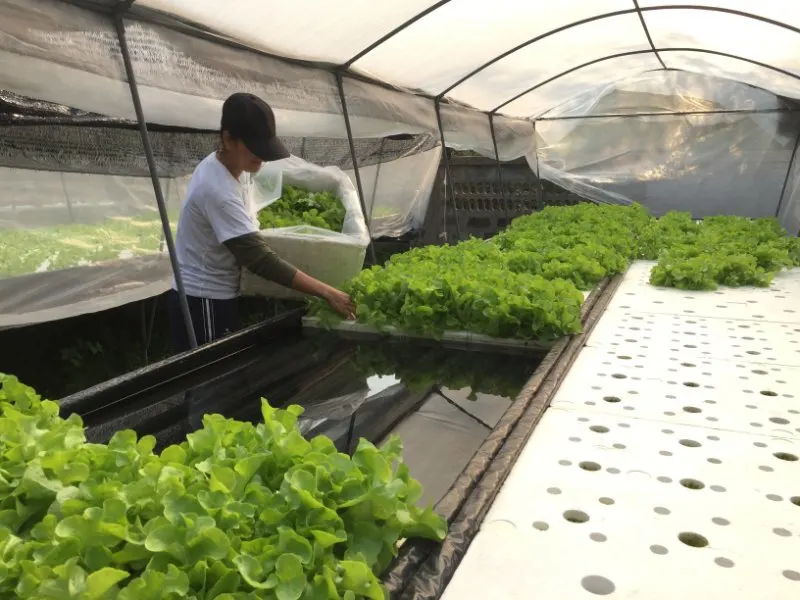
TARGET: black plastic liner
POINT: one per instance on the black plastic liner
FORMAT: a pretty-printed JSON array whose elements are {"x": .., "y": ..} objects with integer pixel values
[
  {"x": 127, "y": 387},
  {"x": 423, "y": 569}
]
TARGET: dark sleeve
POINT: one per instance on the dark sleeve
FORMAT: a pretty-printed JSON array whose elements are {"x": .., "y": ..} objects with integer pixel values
[{"x": 252, "y": 251}]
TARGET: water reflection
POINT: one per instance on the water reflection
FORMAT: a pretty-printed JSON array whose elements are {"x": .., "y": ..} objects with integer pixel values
[{"x": 442, "y": 403}]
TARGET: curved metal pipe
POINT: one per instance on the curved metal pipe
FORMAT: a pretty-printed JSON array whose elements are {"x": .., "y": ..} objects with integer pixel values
[
  {"x": 609, "y": 15},
  {"x": 637, "y": 52}
]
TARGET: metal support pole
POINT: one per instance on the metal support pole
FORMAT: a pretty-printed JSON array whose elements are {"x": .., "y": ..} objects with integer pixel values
[
  {"x": 68, "y": 199},
  {"x": 499, "y": 168},
  {"x": 538, "y": 174},
  {"x": 788, "y": 175},
  {"x": 352, "y": 440},
  {"x": 377, "y": 178},
  {"x": 151, "y": 165},
  {"x": 340, "y": 84},
  {"x": 448, "y": 180}
]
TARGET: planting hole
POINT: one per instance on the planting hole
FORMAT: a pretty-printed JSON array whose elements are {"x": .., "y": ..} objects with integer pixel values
[
  {"x": 660, "y": 550},
  {"x": 553, "y": 490},
  {"x": 692, "y": 484},
  {"x": 619, "y": 376},
  {"x": 599, "y": 429},
  {"x": 597, "y": 585},
  {"x": 612, "y": 399},
  {"x": 576, "y": 516},
  {"x": 589, "y": 466},
  {"x": 779, "y": 420},
  {"x": 607, "y": 501},
  {"x": 768, "y": 393},
  {"x": 791, "y": 575},
  {"x": 541, "y": 526},
  {"x": 691, "y": 409},
  {"x": 795, "y": 500},
  {"x": 720, "y": 521},
  {"x": 726, "y": 563},
  {"x": 660, "y": 510},
  {"x": 694, "y": 540},
  {"x": 785, "y": 456},
  {"x": 774, "y": 497},
  {"x": 690, "y": 443},
  {"x": 597, "y": 537},
  {"x": 691, "y": 384},
  {"x": 782, "y": 532}
]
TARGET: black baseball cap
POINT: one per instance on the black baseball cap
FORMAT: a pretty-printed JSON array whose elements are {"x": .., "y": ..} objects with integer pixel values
[{"x": 248, "y": 118}]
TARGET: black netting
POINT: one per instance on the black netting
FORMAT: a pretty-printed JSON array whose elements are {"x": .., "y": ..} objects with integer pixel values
[{"x": 49, "y": 137}]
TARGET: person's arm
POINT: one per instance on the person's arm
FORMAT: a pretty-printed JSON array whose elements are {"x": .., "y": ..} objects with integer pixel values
[
  {"x": 235, "y": 229},
  {"x": 252, "y": 251}
]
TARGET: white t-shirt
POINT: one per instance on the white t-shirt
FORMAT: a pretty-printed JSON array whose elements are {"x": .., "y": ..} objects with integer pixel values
[{"x": 215, "y": 210}]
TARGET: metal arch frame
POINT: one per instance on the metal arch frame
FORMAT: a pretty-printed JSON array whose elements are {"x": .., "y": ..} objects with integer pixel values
[
  {"x": 609, "y": 15},
  {"x": 662, "y": 50},
  {"x": 356, "y": 170},
  {"x": 347, "y": 64},
  {"x": 125, "y": 5},
  {"x": 448, "y": 180},
  {"x": 638, "y": 10},
  {"x": 647, "y": 33},
  {"x": 119, "y": 24},
  {"x": 636, "y": 53},
  {"x": 177, "y": 24}
]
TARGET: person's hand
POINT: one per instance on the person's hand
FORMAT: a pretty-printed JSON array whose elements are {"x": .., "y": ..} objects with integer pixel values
[{"x": 341, "y": 303}]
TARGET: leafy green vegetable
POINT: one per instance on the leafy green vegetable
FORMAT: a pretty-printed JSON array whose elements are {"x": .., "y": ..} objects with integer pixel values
[
  {"x": 301, "y": 207},
  {"x": 723, "y": 250},
  {"x": 524, "y": 282},
  {"x": 236, "y": 511}
]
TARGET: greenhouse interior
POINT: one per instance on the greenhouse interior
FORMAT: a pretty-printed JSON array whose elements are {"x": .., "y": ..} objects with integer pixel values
[{"x": 569, "y": 232}]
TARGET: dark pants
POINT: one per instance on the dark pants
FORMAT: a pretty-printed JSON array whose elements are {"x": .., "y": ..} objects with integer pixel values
[{"x": 211, "y": 320}]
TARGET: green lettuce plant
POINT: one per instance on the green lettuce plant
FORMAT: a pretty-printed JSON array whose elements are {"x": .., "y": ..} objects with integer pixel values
[{"x": 237, "y": 511}]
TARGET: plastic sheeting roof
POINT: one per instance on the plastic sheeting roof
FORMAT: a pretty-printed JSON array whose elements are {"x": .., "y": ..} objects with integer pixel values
[{"x": 516, "y": 56}]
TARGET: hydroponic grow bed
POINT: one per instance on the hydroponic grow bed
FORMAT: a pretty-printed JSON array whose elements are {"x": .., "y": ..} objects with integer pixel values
[{"x": 667, "y": 465}]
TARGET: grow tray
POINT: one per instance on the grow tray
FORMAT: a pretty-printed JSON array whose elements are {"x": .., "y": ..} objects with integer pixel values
[{"x": 456, "y": 340}]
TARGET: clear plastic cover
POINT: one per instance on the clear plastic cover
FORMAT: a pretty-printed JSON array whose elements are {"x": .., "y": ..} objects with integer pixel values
[
  {"x": 549, "y": 57},
  {"x": 72, "y": 243},
  {"x": 462, "y": 35},
  {"x": 662, "y": 92},
  {"x": 397, "y": 193},
  {"x": 790, "y": 207},
  {"x": 595, "y": 78},
  {"x": 703, "y": 163}
]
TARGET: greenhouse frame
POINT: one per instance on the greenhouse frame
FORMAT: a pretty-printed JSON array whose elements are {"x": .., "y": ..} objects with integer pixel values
[
  {"x": 570, "y": 233},
  {"x": 592, "y": 119}
]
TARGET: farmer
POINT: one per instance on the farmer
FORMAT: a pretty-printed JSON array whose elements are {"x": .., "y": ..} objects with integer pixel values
[{"x": 217, "y": 236}]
